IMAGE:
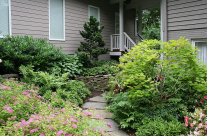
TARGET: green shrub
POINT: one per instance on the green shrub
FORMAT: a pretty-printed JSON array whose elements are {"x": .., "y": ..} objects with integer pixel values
[
  {"x": 68, "y": 90},
  {"x": 85, "y": 59},
  {"x": 167, "y": 83},
  {"x": 23, "y": 112},
  {"x": 24, "y": 50},
  {"x": 101, "y": 68},
  {"x": 160, "y": 127}
]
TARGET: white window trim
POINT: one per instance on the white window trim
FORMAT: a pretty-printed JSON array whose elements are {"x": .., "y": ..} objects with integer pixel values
[
  {"x": 63, "y": 23},
  {"x": 10, "y": 26},
  {"x": 198, "y": 40},
  {"x": 98, "y": 11}
]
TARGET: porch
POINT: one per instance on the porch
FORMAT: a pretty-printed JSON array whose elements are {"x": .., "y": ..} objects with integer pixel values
[{"x": 121, "y": 42}]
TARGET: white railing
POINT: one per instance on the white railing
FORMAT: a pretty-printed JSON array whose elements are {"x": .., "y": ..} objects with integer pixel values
[
  {"x": 115, "y": 42},
  {"x": 128, "y": 42}
]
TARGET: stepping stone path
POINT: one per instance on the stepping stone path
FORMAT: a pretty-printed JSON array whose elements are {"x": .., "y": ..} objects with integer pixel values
[{"x": 98, "y": 103}]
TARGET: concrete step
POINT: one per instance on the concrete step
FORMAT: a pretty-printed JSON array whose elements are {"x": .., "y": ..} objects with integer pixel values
[
  {"x": 95, "y": 105},
  {"x": 97, "y": 99}
]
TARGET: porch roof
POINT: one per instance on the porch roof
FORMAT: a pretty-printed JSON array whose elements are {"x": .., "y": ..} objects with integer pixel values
[{"x": 140, "y": 4}]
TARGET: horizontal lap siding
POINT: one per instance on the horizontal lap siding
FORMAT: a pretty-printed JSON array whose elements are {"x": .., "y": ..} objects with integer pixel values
[
  {"x": 32, "y": 18},
  {"x": 187, "y": 18}
]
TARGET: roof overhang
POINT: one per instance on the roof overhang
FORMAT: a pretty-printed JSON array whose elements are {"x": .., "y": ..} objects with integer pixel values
[{"x": 143, "y": 4}]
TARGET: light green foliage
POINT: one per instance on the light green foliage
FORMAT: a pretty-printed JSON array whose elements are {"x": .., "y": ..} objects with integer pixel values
[
  {"x": 159, "y": 79},
  {"x": 68, "y": 90},
  {"x": 94, "y": 43},
  {"x": 149, "y": 72},
  {"x": 23, "y": 112}
]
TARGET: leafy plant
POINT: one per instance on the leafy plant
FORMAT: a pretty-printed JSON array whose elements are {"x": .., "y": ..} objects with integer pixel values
[
  {"x": 92, "y": 35},
  {"x": 23, "y": 112},
  {"x": 68, "y": 90},
  {"x": 25, "y": 50}
]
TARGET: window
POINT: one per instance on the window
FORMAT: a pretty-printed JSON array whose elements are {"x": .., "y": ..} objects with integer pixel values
[
  {"x": 94, "y": 11},
  {"x": 57, "y": 19},
  {"x": 202, "y": 47},
  {"x": 5, "y": 18}
]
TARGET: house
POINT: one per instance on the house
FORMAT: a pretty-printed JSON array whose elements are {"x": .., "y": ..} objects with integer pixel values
[{"x": 60, "y": 21}]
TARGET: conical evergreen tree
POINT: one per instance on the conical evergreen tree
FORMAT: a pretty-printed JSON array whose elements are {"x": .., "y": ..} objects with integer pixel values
[{"x": 94, "y": 43}]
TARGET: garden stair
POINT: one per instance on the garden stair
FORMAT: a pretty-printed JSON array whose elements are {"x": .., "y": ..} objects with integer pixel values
[{"x": 97, "y": 104}]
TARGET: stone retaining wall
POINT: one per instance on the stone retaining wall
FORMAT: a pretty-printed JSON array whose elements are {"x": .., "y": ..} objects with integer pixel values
[
  {"x": 13, "y": 76},
  {"x": 96, "y": 83}
]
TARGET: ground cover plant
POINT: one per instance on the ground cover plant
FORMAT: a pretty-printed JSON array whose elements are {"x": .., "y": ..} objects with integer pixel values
[
  {"x": 24, "y": 112},
  {"x": 66, "y": 90},
  {"x": 159, "y": 86}
]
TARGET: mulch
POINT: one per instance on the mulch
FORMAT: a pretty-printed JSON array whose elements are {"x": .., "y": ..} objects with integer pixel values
[{"x": 130, "y": 132}]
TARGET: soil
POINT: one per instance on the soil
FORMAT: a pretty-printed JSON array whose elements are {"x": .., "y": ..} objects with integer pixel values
[{"x": 130, "y": 132}]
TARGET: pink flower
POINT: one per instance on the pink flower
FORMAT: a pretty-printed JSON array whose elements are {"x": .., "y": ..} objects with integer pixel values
[
  {"x": 42, "y": 134},
  {"x": 54, "y": 94},
  {"x": 108, "y": 124},
  {"x": 68, "y": 134},
  {"x": 14, "y": 98},
  {"x": 19, "y": 111},
  {"x": 32, "y": 108},
  {"x": 88, "y": 114},
  {"x": 60, "y": 132},
  {"x": 2, "y": 120},
  {"x": 98, "y": 116},
  {"x": 34, "y": 130},
  {"x": 24, "y": 92},
  {"x": 186, "y": 123},
  {"x": 63, "y": 110},
  {"x": 24, "y": 83},
  {"x": 36, "y": 88},
  {"x": 4, "y": 87},
  {"x": 201, "y": 101},
  {"x": 191, "y": 125},
  {"x": 28, "y": 95},
  {"x": 94, "y": 129},
  {"x": 10, "y": 111},
  {"x": 43, "y": 103},
  {"x": 26, "y": 102},
  {"x": 74, "y": 126},
  {"x": 73, "y": 120},
  {"x": 0, "y": 60},
  {"x": 205, "y": 97},
  {"x": 194, "y": 122},
  {"x": 186, "y": 118},
  {"x": 51, "y": 128},
  {"x": 15, "y": 102}
]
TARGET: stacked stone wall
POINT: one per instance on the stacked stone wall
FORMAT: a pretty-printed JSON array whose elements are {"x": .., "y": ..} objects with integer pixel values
[{"x": 96, "y": 83}]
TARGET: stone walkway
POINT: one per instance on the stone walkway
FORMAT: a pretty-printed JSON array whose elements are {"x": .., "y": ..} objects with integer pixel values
[{"x": 98, "y": 103}]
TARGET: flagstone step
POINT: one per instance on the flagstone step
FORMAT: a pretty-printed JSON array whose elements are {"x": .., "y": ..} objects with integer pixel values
[
  {"x": 96, "y": 105},
  {"x": 103, "y": 113},
  {"x": 97, "y": 99}
]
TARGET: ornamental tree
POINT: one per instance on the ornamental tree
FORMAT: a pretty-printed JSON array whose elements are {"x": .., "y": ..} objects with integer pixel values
[{"x": 94, "y": 43}]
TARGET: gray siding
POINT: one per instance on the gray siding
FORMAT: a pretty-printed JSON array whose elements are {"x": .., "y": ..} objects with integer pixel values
[
  {"x": 187, "y": 18},
  {"x": 32, "y": 18}
]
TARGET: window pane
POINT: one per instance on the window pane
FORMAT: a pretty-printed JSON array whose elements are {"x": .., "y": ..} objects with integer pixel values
[
  {"x": 4, "y": 17},
  {"x": 94, "y": 12},
  {"x": 202, "y": 53},
  {"x": 56, "y": 19}
]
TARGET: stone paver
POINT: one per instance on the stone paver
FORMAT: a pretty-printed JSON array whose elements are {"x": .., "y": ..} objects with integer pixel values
[
  {"x": 120, "y": 133},
  {"x": 103, "y": 113},
  {"x": 96, "y": 105},
  {"x": 97, "y": 99}
]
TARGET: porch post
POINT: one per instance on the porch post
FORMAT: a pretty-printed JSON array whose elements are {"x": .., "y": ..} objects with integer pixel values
[
  {"x": 164, "y": 20},
  {"x": 121, "y": 24}
]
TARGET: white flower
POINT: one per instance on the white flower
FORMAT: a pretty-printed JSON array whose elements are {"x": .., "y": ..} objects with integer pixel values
[{"x": 0, "y": 60}]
